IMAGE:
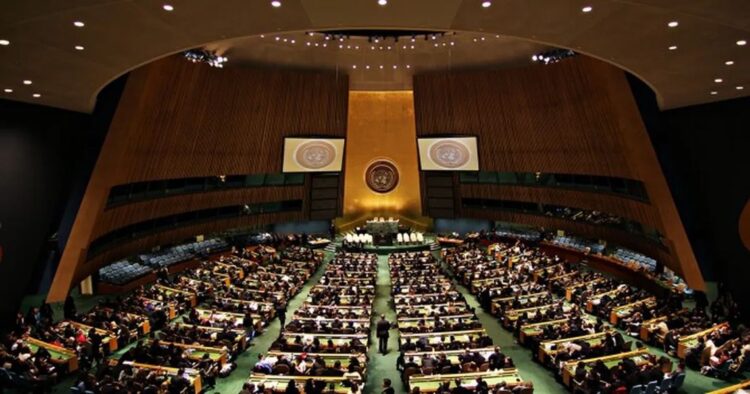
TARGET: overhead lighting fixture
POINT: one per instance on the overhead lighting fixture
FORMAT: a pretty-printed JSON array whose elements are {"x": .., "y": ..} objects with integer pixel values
[
  {"x": 204, "y": 56},
  {"x": 673, "y": 24},
  {"x": 79, "y": 24},
  {"x": 714, "y": 93},
  {"x": 36, "y": 95},
  {"x": 552, "y": 56},
  {"x": 673, "y": 48},
  {"x": 6, "y": 90},
  {"x": 168, "y": 7},
  {"x": 79, "y": 47},
  {"x": 729, "y": 62},
  {"x": 4, "y": 42},
  {"x": 740, "y": 87},
  {"x": 486, "y": 4},
  {"x": 383, "y": 2},
  {"x": 276, "y": 3},
  {"x": 587, "y": 9},
  {"x": 27, "y": 82},
  {"x": 718, "y": 80},
  {"x": 741, "y": 43}
]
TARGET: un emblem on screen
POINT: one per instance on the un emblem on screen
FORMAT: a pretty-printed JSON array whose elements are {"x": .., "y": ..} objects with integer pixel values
[
  {"x": 381, "y": 176},
  {"x": 449, "y": 154},
  {"x": 315, "y": 154}
]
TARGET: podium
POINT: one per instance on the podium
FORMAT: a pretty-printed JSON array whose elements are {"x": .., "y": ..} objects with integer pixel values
[{"x": 383, "y": 231}]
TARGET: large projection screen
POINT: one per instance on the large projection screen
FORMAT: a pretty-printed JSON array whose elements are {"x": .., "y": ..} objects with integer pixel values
[
  {"x": 313, "y": 154},
  {"x": 448, "y": 154}
]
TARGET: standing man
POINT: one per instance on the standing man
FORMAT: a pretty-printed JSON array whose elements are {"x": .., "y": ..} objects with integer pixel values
[
  {"x": 281, "y": 313},
  {"x": 382, "y": 332},
  {"x": 387, "y": 388}
]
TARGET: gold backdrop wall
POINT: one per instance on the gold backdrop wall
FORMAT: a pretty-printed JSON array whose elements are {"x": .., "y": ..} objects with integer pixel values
[{"x": 381, "y": 126}]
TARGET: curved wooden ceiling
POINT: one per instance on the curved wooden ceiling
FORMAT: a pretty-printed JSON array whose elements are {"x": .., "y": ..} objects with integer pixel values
[{"x": 120, "y": 35}]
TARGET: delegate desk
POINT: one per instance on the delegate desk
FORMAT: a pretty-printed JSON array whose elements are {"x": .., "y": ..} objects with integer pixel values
[
  {"x": 431, "y": 383},
  {"x": 595, "y": 299},
  {"x": 279, "y": 383},
  {"x": 732, "y": 389},
  {"x": 512, "y": 315},
  {"x": 570, "y": 289},
  {"x": 523, "y": 299},
  {"x": 109, "y": 339},
  {"x": 451, "y": 355},
  {"x": 329, "y": 358},
  {"x": 528, "y": 331},
  {"x": 172, "y": 291},
  {"x": 649, "y": 326},
  {"x": 623, "y": 311},
  {"x": 196, "y": 352},
  {"x": 194, "y": 376},
  {"x": 434, "y": 338},
  {"x": 549, "y": 349},
  {"x": 236, "y": 320},
  {"x": 638, "y": 356},
  {"x": 170, "y": 306},
  {"x": 338, "y": 340},
  {"x": 60, "y": 356},
  {"x": 689, "y": 341},
  {"x": 240, "y": 341}
]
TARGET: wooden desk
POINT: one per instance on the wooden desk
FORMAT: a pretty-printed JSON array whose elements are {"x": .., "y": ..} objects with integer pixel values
[
  {"x": 196, "y": 352},
  {"x": 109, "y": 339},
  {"x": 569, "y": 290},
  {"x": 546, "y": 351},
  {"x": 193, "y": 299},
  {"x": 61, "y": 356},
  {"x": 689, "y": 341},
  {"x": 621, "y": 311},
  {"x": 194, "y": 378},
  {"x": 569, "y": 368},
  {"x": 279, "y": 383},
  {"x": 439, "y": 337},
  {"x": 733, "y": 388},
  {"x": 431, "y": 383}
]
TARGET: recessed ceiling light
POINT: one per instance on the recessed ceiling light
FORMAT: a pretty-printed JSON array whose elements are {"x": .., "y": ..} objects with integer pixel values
[
  {"x": 739, "y": 87},
  {"x": 383, "y": 2},
  {"x": 587, "y": 9},
  {"x": 718, "y": 80},
  {"x": 714, "y": 93},
  {"x": 27, "y": 82},
  {"x": 4, "y": 42},
  {"x": 6, "y": 90},
  {"x": 741, "y": 42},
  {"x": 673, "y": 24},
  {"x": 408, "y": 66},
  {"x": 36, "y": 95},
  {"x": 168, "y": 7},
  {"x": 729, "y": 62},
  {"x": 381, "y": 67},
  {"x": 79, "y": 47},
  {"x": 673, "y": 48},
  {"x": 486, "y": 4},
  {"x": 276, "y": 3},
  {"x": 354, "y": 66},
  {"x": 79, "y": 24}
]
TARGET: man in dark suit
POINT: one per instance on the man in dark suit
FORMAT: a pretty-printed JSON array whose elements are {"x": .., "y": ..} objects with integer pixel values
[
  {"x": 381, "y": 330},
  {"x": 387, "y": 389}
]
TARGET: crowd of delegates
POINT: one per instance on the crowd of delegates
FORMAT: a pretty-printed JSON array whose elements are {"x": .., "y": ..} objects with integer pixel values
[
  {"x": 226, "y": 300},
  {"x": 443, "y": 346},
  {"x": 567, "y": 315},
  {"x": 324, "y": 345}
]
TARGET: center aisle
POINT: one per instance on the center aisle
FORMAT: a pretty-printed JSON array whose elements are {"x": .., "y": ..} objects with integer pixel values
[{"x": 381, "y": 367}]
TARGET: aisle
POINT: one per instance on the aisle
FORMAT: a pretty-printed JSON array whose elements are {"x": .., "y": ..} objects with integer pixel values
[
  {"x": 246, "y": 361},
  {"x": 380, "y": 367}
]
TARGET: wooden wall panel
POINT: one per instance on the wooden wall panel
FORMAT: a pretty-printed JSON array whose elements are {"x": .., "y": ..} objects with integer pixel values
[
  {"x": 631, "y": 209},
  {"x": 573, "y": 117},
  {"x": 121, "y": 216},
  {"x": 177, "y": 119}
]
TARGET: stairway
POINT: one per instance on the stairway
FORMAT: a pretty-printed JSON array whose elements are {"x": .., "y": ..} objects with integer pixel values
[{"x": 434, "y": 246}]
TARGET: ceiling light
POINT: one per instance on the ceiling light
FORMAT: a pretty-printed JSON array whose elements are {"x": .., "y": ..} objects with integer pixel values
[
  {"x": 4, "y": 42},
  {"x": 276, "y": 3},
  {"x": 741, "y": 42},
  {"x": 714, "y": 93},
  {"x": 381, "y": 67},
  {"x": 79, "y": 47},
  {"x": 395, "y": 66},
  {"x": 36, "y": 95},
  {"x": 587, "y": 9},
  {"x": 486, "y": 4},
  {"x": 367, "y": 66},
  {"x": 718, "y": 80},
  {"x": 27, "y": 82},
  {"x": 729, "y": 62},
  {"x": 168, "y": 7},
  {"x": 673, "y": 47},
  {"x": 382, "y": 2},
  {"x": 354, "y": 66},
  {"x": 6, "y": 90},
  {"x": 673, "y": 24},
  {"x": 79, "y": 24},
  {"x": 739, "y": 87}
]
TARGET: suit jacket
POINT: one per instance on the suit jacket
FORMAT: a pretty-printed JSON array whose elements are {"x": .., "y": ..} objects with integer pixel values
[{"x": 382, "y": 328}]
